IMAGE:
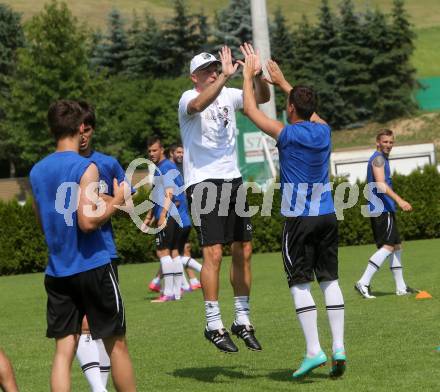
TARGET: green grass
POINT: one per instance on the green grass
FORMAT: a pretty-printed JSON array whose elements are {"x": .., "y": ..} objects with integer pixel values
[
  {"x": 390, "y": 341},
  {"x": 423, "y": 13}
]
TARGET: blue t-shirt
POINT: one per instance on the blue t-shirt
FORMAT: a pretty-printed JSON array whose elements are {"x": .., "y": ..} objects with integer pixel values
[
  {"x": 166, "y": 176},
  {"x": 388, "y": 203},
  {"x": 55, "y": 184},
  {"x": 304, "y": 153},
  {"x": 109, "y": 168}
]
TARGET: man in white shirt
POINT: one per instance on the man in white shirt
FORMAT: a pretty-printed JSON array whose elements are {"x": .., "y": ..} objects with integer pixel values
[{"x": 212, "y": 179}]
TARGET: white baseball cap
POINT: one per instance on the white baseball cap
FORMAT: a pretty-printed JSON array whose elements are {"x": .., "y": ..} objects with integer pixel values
[{"x": 201, "y": 61}]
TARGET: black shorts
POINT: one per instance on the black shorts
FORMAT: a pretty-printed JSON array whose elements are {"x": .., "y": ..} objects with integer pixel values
[
  {"x": 222, "y": 225},
  {"x": 385, "y": 230},
  {"x": 310, "y": 248},
  {"x": 167, "y": 237},
  {"x": 95, "y": 294},
  {"x": 182, "y": 238}
]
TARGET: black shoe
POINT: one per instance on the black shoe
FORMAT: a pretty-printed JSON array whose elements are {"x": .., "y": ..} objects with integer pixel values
[
  {"x": 221, "y": 339},
  {"x": 247, "y": 333}
]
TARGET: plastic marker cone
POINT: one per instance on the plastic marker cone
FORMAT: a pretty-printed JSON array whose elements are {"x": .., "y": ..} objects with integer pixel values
[{"x": 423, "y": 295}]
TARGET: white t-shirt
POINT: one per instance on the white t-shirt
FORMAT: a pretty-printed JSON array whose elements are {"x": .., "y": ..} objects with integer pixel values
[{"x": 209, "y": 137}]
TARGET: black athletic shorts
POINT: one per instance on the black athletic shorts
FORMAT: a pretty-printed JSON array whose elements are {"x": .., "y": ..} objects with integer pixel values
[
  {"x": 167, "y": 237},
  {"x": 310, "y": 248},
  {"x": 182, "y": 238},
  {"x": 115, "y": 263},
  {"x": 95, "y": 294},
  {"x": 221, "y": 225},
  {"x": 385, "y": 230}
]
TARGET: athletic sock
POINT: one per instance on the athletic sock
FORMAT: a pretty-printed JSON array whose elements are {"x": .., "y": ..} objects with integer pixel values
[
  {"x": 374, "y": 264},
  {"x": 194, "y": 281},
  {"x": 166, "y": 263},
  {"x": 241, "y": 304},
  {"x": 397, "y": 270},
  {"x": 213, "y": 316},
  {"x": 104, "y": 361},
  {"x": 189, "y": 262},
  {"x": 335, "y": 310},
  {"x": 177, "y": 277},
  {"x": 185, "y": 283},
  {"x": 88, "y": 357},
  {"x": 307, "y": 316}
]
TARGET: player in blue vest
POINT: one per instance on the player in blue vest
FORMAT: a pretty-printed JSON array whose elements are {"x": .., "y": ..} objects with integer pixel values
[
  {"x": 310, "y": 234},
  {"x": 383, "y": 222},
  {"x": 91, "y": 354},
  {"x": 79, "y": 277}
]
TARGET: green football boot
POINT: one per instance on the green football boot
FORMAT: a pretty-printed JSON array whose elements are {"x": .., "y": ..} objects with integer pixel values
[
  {"x": 338, "y": 363},
  {"x": 310, "y": 363}
]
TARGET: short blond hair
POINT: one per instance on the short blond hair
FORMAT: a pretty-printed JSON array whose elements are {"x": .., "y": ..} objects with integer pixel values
[{"x": 384, "y": 132}]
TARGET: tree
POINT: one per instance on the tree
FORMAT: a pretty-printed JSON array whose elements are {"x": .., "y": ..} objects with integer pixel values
[
  {"x": 233, "y": 26},
  {"x": 53, "y": 65},
  {"x": 11, "y": 38},
  {"x": 114, "y": 49}
]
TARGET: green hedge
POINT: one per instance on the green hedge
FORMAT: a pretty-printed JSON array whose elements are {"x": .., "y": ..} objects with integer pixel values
[{"x": 23, "y": 249}]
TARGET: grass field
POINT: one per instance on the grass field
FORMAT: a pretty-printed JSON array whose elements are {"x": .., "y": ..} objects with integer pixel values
[
  {"x": 390, "y": 341},
  {"x": 425, "y": 16}
]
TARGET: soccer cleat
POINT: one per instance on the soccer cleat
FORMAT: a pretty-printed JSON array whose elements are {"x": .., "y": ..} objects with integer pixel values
[
  {"x": 247, "y": 333},
  {"x": 164, "y": 298},
  {"x": 339, "y": 360},
  {"x": 221, "y": 339},
  {"x": 310, "y": 363},
  {"x": 154, "y": 287},
  {"x": 363, "y": 290},
  {"x": 408, "y": 290},
  {"x": 195, "y": 286}
]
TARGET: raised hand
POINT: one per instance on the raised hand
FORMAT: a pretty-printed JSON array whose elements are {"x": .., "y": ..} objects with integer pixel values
[
  {"x": 228, "y": 69},
  {"x": 249, "y": 66},
  {"x": 275, "y": 73},
  {"x": 248, "y": 50}
]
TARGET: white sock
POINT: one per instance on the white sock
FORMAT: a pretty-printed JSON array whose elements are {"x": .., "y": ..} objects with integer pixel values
[
  {"x": 189, "y": 262},
  {"x": 374, "y": 264},
  {"x": 88, "y": 357},
  {"x": 177, "y": 277},
  {"x": 242, "y": 310},
  {"x": 213, "y": 316},
  {"x": 334, "y": 303},
  {"x": 166, "y": 263},
  {"x": 104, "y": 361},
  {"x": 185, "y": 284},
  {"x": 156, "y": 280},
  {"x": 194, "y": 281},
  {"x": 396, "y": 269},
  {"x": 307, "y": 316}
]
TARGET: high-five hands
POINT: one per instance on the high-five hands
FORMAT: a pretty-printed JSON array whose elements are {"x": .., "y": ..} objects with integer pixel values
[
  {"x": 247, "y": 50},
  {"x": 249, "y": 66},
  {"x": 228, "y": 69}
]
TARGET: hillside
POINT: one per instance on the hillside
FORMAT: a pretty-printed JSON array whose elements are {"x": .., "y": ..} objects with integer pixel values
[{"x": 425, "y": 16}]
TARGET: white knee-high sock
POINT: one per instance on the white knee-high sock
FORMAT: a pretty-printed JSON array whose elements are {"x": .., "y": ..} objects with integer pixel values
[
  {"x": 397, "y": 269},
  {"x": 242, "y": 310},
  {"x": 213, "y": 316},
  {"x": 104, "y": 362},
  {"x": 166, "y": 263},
  {"x": 375, "y": 262},
  {"x": 185, "y": 283},
  {"x": 88, "y": 357},
  {"x": 307, "y": 316},
  {"x": 177, "y": 277},
  {"x": 189, "y": 262},
  {"x": 334, "y": 303}
]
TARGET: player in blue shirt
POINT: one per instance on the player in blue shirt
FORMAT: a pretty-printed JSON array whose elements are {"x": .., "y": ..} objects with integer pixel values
[
  {"x": 168, "y": 198},
  {"x": 310, "y": 235},
  {"x": 383, "y": 222},
  {"x": 91, "y": 353},
  {"x": 79, "y": 277}
]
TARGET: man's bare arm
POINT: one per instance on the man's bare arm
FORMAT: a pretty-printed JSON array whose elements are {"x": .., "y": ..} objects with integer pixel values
[{"x": 379, "y": 177}]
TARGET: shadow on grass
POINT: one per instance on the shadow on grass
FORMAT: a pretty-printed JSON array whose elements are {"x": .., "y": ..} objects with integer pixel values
[
  {"x": 286, "y": 375},
  {"x": 209, "y": 374},
  {"x": 382, "y": 293}
]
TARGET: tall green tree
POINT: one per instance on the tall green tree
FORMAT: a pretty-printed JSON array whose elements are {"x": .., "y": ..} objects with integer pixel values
[
  {"x": 52, "y": 65},
  {"x": 233, "y": 26}
]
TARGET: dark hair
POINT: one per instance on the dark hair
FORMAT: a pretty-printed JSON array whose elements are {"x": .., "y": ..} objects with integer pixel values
[
  {"x": 64, "y": 118},
  {"x": 304, "y": 100},
  {"x": 89, "y": 116},
  {"x": 153, "y": 140},
  {"x": 384, "y": 132},
  {"x": 173, "y": 147}
]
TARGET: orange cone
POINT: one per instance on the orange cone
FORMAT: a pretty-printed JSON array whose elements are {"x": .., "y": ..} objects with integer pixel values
[{"x": 423, "y": 295}]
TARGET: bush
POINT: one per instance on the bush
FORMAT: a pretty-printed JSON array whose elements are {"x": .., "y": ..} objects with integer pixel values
[{"x": 24, "y": 250}]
